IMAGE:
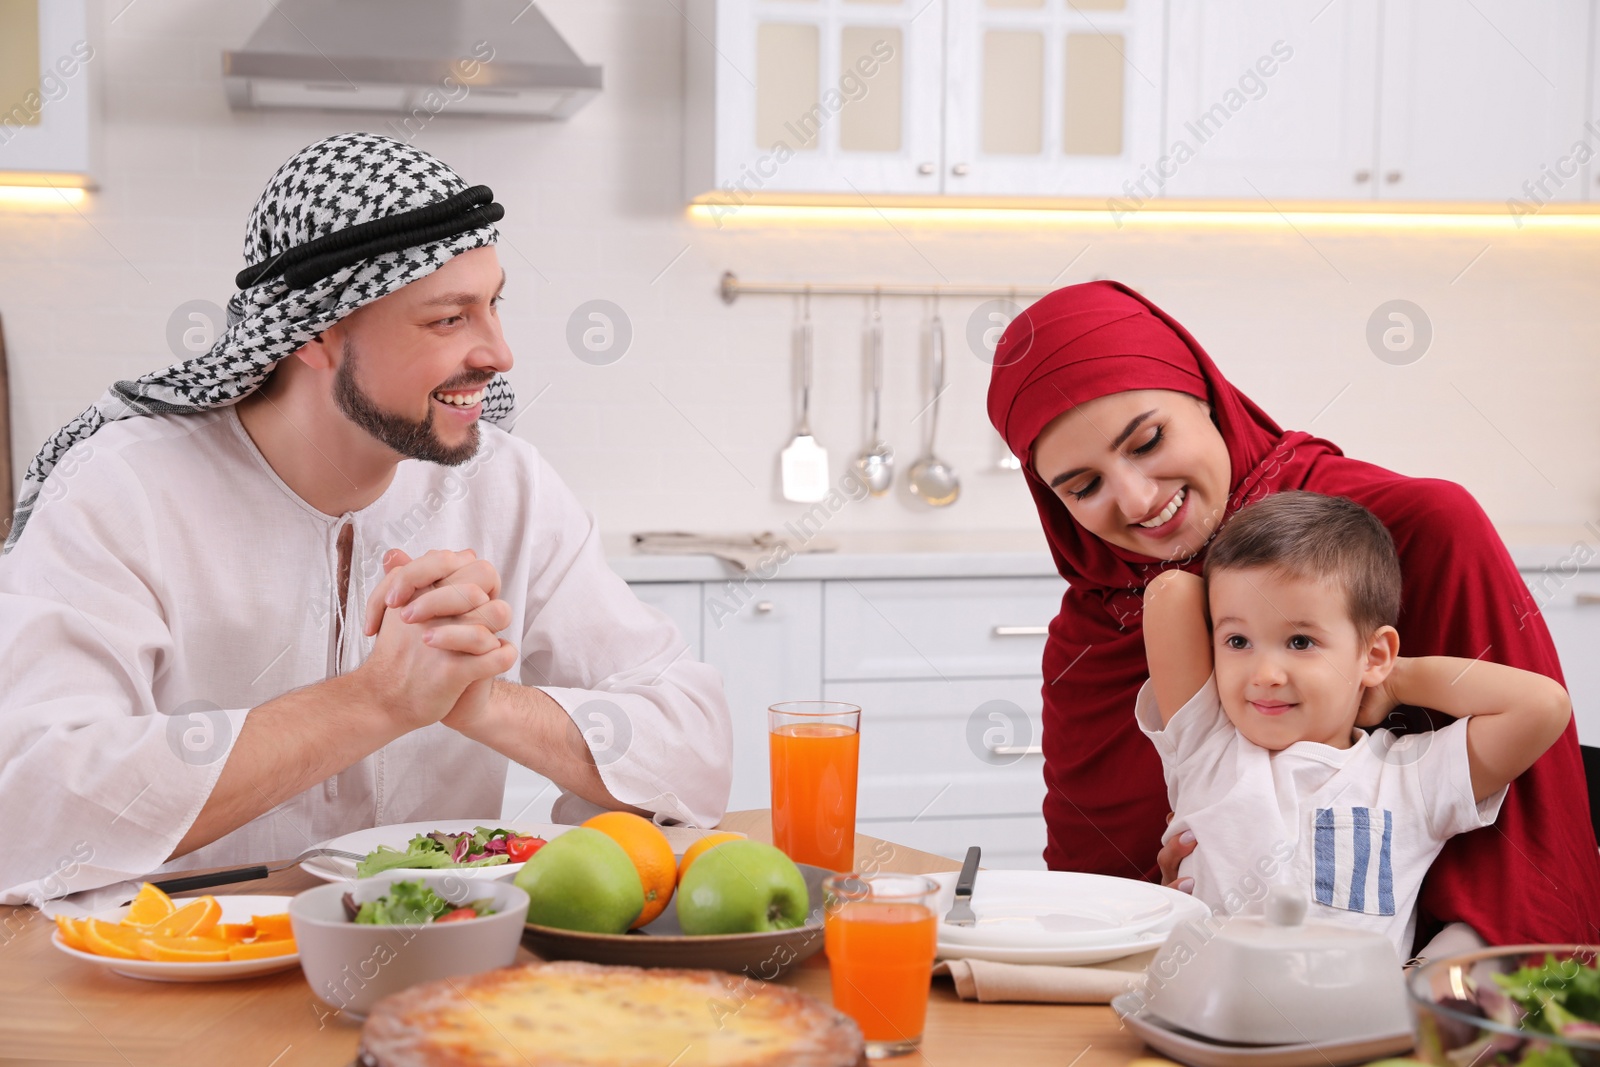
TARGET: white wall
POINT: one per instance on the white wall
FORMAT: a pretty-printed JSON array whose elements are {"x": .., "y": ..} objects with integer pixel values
[{"x": 684, "y": 431}]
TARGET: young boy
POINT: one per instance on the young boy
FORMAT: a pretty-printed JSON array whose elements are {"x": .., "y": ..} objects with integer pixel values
[{"x": 1260, "y": 673}]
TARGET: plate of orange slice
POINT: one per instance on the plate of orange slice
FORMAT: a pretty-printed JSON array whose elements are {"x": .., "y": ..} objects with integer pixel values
[{"x": 184, "y": 939}]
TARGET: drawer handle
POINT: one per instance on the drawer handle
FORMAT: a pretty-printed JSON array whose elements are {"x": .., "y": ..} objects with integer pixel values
[
  {"x": 1013, "y": 750},
  {"x": 1021, "y": 631},
  {"x": 1587, "y": 599}
]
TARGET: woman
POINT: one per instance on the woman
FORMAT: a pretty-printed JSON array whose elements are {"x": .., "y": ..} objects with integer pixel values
[{"x": 1136, "y": 449}]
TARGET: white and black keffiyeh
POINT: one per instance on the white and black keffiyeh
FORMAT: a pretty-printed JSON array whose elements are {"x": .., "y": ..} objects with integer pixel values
[{"x": 346, "y": 220}]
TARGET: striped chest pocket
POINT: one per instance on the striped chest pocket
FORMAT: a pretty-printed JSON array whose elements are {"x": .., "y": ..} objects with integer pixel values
[{"x": 1353, "y": 867}]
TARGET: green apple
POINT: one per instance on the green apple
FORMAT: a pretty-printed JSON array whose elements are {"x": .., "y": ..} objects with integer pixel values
[
  {"x": 742, "y": 887},
  {"x": 582, "y": 880}
]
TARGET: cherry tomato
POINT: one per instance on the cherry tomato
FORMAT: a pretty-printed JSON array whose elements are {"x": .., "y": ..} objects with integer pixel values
[
  {"x": 456, "y": 915},
  {"x": 521, "y": 849}
]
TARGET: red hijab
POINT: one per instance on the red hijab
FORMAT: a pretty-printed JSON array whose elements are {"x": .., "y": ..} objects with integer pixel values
[{"x": 1534, "y": 876}]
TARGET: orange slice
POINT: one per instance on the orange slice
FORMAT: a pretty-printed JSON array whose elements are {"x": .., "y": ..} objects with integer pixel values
[
  {"x": 260, "y": 950},
  {"x": 72, "y": 933},
  {"x": 233, "y": 933},
  {"x": 272, "y": 927},
  {"x": 149, "y": 907},
  {"x": 184, "y": 949},
  {"x": 109, "y": 939},
  {"x": 198, "y": 918}
]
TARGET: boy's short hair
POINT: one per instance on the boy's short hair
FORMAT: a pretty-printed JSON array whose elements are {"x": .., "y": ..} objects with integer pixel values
[{"x": 1323, "y": 538}]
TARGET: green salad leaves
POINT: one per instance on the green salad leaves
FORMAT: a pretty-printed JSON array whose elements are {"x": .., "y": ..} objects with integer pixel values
[
  {"x": 412, "y": 903},
  {"x": 484, "y": 847},
  {"x": 1561, "y": 998}
]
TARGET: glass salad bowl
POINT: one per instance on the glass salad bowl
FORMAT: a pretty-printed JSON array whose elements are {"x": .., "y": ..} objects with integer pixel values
[{"x": 1535, "y": 1005}]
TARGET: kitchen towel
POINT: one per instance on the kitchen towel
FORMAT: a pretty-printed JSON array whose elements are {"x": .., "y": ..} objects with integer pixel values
[
  {"x": 748, "y": 552},
  {"x": 991, "y": 983}
]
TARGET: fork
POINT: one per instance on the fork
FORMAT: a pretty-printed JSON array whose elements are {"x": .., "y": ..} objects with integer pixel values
[
  {"x": 961, "y": 913},
  {"x": 246, "y": 874}
]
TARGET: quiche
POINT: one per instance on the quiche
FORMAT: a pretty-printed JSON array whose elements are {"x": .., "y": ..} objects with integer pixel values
[{"x": 569, "y": 1014}]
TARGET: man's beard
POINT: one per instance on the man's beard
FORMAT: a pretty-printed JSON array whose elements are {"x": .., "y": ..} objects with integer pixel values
[{"x": 412, "y": 439}]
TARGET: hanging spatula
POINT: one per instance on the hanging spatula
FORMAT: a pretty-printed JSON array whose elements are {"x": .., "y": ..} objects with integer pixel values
[{"x": 804, "y": 462}]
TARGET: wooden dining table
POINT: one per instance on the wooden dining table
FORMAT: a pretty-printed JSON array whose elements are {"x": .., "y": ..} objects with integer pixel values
[{"x": 60, "y": 1010}]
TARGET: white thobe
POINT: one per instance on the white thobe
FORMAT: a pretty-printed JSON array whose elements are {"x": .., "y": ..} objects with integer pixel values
[{"x": 168, "y": 582}]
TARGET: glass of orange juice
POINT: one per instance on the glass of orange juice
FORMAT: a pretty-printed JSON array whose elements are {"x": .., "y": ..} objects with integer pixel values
[
  {"x": 815, "y": 747},
  {"x": 881, "y": 934}
]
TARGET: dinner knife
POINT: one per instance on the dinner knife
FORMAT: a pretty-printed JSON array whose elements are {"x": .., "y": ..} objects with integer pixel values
[
  {"x": 961, "y": 913},
  {"x": 243, "y": 874}
]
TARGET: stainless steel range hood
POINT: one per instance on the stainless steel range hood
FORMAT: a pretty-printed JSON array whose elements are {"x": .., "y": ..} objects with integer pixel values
[{"x": 425, "y": 57}]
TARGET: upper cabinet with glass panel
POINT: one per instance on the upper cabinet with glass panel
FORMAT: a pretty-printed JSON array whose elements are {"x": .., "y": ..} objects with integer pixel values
[
  {"x": 1052, "y": 97},
  {"x": 1128, "y": 101},
  {"x": 814, "y": 96},
  {"x": 977, "y": 97},
  {"x": 46, "y": 98}
]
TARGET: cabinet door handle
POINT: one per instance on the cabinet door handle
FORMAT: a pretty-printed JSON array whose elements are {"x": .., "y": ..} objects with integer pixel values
[
  {"x": 1014, "y": 750},
  {"x": 1021, "y": 631},
  {"x": 1363, "y": 176},
  {"x": 924, "y": 168},
  {"x": 1392, "y": 177},
  {"x": 763, "y": 607},
  {"x": 1587, "y": 599},
  {"x": 960, "y": 170}
]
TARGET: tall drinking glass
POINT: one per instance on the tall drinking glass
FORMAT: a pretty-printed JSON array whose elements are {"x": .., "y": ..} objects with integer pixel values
[
  {"x": 815, "y": 747},
  {"x": 881, "y": 934}
]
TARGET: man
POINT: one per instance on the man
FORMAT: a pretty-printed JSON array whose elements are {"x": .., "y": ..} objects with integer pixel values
[{"x": 211, "y": 659}]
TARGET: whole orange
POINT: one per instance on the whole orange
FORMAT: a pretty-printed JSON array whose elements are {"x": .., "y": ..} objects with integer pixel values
[
  {"x": 705, "y": 844},
  {"x": 651, "y": 854}
]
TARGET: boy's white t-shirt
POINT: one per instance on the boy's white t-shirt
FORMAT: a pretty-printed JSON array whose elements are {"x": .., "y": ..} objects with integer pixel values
[{"x": 1355, "y": 828}]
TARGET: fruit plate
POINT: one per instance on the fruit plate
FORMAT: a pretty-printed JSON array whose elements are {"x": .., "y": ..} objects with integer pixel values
[
  {"x": 235, "y": 909},
  {"x": 664, "y": 944}
]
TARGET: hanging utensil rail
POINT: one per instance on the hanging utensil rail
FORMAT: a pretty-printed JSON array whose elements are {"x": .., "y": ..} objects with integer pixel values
[{"x": 733, "y": 288}]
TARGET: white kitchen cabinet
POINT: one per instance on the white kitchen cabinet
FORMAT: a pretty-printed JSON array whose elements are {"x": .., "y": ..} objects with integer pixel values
[
  {"x": 47, "y": 113},
  {"x": 839, "y": 96},
  {"x": 769, "y": 649},
  {"x": 1051, "y": 97},
  {"x": 1569, "y": 599},
  {"x": 1262, "y": 102},
  {"x": 945, "y": 670},
  {"x": 1483, "y": 97},
  {"x": 947, "y": 750},
  {"x": 938, "y": 628}
]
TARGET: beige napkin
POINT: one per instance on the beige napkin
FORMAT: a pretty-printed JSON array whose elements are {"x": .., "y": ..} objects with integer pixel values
[
  {"x": 989, "y": 982},
  {"x": 745, "y": 551}
]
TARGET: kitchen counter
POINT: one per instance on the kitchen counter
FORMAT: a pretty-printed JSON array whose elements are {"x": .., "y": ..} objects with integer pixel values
[
  {"x": 902, "y": 554},
  {"x": 60, "y": 1009},
  {"x": 1007, "y": 554}
]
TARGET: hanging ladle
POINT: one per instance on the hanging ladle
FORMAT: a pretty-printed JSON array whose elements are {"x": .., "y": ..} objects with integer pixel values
[
  {"x": 931, "y": 479},
  {"x": 875, "y": 464}
]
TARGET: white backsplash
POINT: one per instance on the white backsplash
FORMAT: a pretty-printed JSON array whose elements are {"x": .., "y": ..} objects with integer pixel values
[{"x": 684, "y": 431}]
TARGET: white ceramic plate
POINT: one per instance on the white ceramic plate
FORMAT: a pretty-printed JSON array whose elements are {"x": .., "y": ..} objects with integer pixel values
[
  {"x": 334, "y": 869},
  {"x": 1199, "y": 1052},
  {"x": 235, "y": 909},
  {"x": 1061, "y": 917}
]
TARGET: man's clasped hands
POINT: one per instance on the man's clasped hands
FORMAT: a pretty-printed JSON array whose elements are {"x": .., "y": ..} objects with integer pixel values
[{"x": 437, "y": 619}]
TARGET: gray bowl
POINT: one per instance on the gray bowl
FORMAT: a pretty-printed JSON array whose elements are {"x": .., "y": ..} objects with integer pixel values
[
  {"x": 662, "y": 943},
  {"x": 351, "y": 966}
]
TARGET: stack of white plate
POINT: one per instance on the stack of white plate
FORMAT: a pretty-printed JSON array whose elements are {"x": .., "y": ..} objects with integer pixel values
[{"x": 1060, "y": 917}]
